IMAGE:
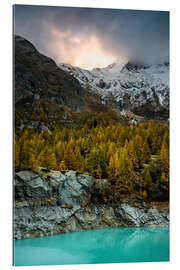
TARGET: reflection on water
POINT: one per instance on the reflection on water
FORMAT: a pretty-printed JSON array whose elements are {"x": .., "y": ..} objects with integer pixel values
[{"x": 96, "y": 246}]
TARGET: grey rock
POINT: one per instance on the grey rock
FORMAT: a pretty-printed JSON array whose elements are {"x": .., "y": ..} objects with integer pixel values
[
  {"x": 26, "y": 175},
  {"x": 29, "y": 185},
  {"x": 132, "y": 215},
  {"x": 49, "y": 202},
  {"x": 76, "y": 188},
  {"x": 141, "y": 217}
]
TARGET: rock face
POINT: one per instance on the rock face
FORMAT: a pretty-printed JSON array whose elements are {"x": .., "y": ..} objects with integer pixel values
[
  {"x": 50, "y": 202},
  {"x": 45, "y": 95},
  {"x": 140, "y": 217},
  {"x": 52, "y": 186},
  {"x": 37, "y": 77}
]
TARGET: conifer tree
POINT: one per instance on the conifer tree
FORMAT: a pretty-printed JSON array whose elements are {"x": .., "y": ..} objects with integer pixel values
[
  {"x": 70, "y": 158},
  {"x": 148, "y": 180},
  {"x": 164, "y": 162},
  {"x": 16, "y": 153},
  {"x": 116, "y": 165},
  {"x": 47, "y": 158},
  {"x": 124, "y": 182},
  {"x": 164, "y": 157},
  {"x": 132, "y": 153},
  {"x": 35, "y": 164},
  {"x": 110, "y": 170},
  {"x": 96, "y": 158},
  {"x": 115, "y": 152}
]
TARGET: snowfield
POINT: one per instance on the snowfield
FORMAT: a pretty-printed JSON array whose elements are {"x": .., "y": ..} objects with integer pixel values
[{"x": 130, "y": 85}]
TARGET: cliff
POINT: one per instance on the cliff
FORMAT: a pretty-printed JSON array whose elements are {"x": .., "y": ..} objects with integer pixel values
[{"x": 50, "y": 202}]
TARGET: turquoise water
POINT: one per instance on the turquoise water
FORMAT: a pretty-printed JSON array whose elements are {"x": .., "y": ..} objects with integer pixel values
[{"x": 96, "y": 246}]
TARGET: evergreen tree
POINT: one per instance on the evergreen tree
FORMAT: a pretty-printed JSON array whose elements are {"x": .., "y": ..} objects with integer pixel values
[
  {"x": 116, "y": 152},
  {"x": 47, "y": 158},
  {"x": 148, "y": 183},
  {"x": 124, "y": 183},
  {"x": 164, "y": 162},
  {"x": 110, "y": 170},
  {"x": 16, "y": 153},
  {"x": 132, "y": 153}
]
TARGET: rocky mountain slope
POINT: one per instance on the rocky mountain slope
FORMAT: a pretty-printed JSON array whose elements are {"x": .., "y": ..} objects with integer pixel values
[
  {"x": 141, "y": 89},
  {"x": 45, "y": 94},
  {"x": 38, "y": 77},
  {"x": 50, "y": 202}
]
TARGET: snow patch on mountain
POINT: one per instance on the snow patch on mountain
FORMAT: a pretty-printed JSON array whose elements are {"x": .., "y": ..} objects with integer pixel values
[{"x": 129, "y": 85}]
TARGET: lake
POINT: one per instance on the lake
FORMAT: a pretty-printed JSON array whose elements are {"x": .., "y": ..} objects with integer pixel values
[{"x": 97, "y": 246}]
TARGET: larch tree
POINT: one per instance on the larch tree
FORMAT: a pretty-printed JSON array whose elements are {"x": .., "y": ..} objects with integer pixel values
[
  {"x": 125, "y": 183},
  {"x": 164, "y": 162}
]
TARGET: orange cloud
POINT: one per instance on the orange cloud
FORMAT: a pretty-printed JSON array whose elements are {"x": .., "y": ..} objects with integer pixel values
[{"x": 83, "y": 50}]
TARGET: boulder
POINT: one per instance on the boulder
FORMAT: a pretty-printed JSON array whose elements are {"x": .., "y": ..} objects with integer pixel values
[
  {"x": 155, "y": 218},
  {"x": 29, "y": 185},
  {"x": 131, "y": 215},
  {"x": 75, "y": 188},
  {"x": 137, "y": 217},
  {"x": 67, "y": 189}
]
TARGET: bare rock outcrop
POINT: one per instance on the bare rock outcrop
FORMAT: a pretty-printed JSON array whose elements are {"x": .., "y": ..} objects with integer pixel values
[{"x": 50, "y": 202}]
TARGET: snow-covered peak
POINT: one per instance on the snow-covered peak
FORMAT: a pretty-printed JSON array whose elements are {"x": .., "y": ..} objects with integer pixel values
[
  {"x": 131, "y": 85},
  {"x": 111, "y": 71}
]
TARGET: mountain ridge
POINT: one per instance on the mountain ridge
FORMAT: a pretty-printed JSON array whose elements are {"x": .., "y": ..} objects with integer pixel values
[
  {"x": 143, "y": 89},
  {"x": 46, "y": 95}
]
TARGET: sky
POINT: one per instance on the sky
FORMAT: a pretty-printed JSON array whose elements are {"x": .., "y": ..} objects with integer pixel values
[{"x": 90, "y": 38}]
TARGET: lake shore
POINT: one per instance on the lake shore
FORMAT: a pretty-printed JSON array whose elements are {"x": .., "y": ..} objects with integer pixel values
[
  {"x": 49, "y": 203},
  {"x": 95, "y": 246}
]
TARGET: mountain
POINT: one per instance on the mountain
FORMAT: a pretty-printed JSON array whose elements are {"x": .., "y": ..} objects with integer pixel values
[
  {"x": 37, "y": 76},
  {"x": 135, "y": 87},
  {"x": 46, "y": 95}
]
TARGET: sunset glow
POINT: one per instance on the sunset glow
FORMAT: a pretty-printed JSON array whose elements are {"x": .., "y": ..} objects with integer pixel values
[
  {"x": 92, "y": 55},
  {"x": 91, "y": 38},
  {"x": 83, "y": 51}
]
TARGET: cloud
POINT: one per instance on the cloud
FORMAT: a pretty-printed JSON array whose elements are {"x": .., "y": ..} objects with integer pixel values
[
  {"x": 83, "y": 50},
  {"x": 89, "y": 37}
]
